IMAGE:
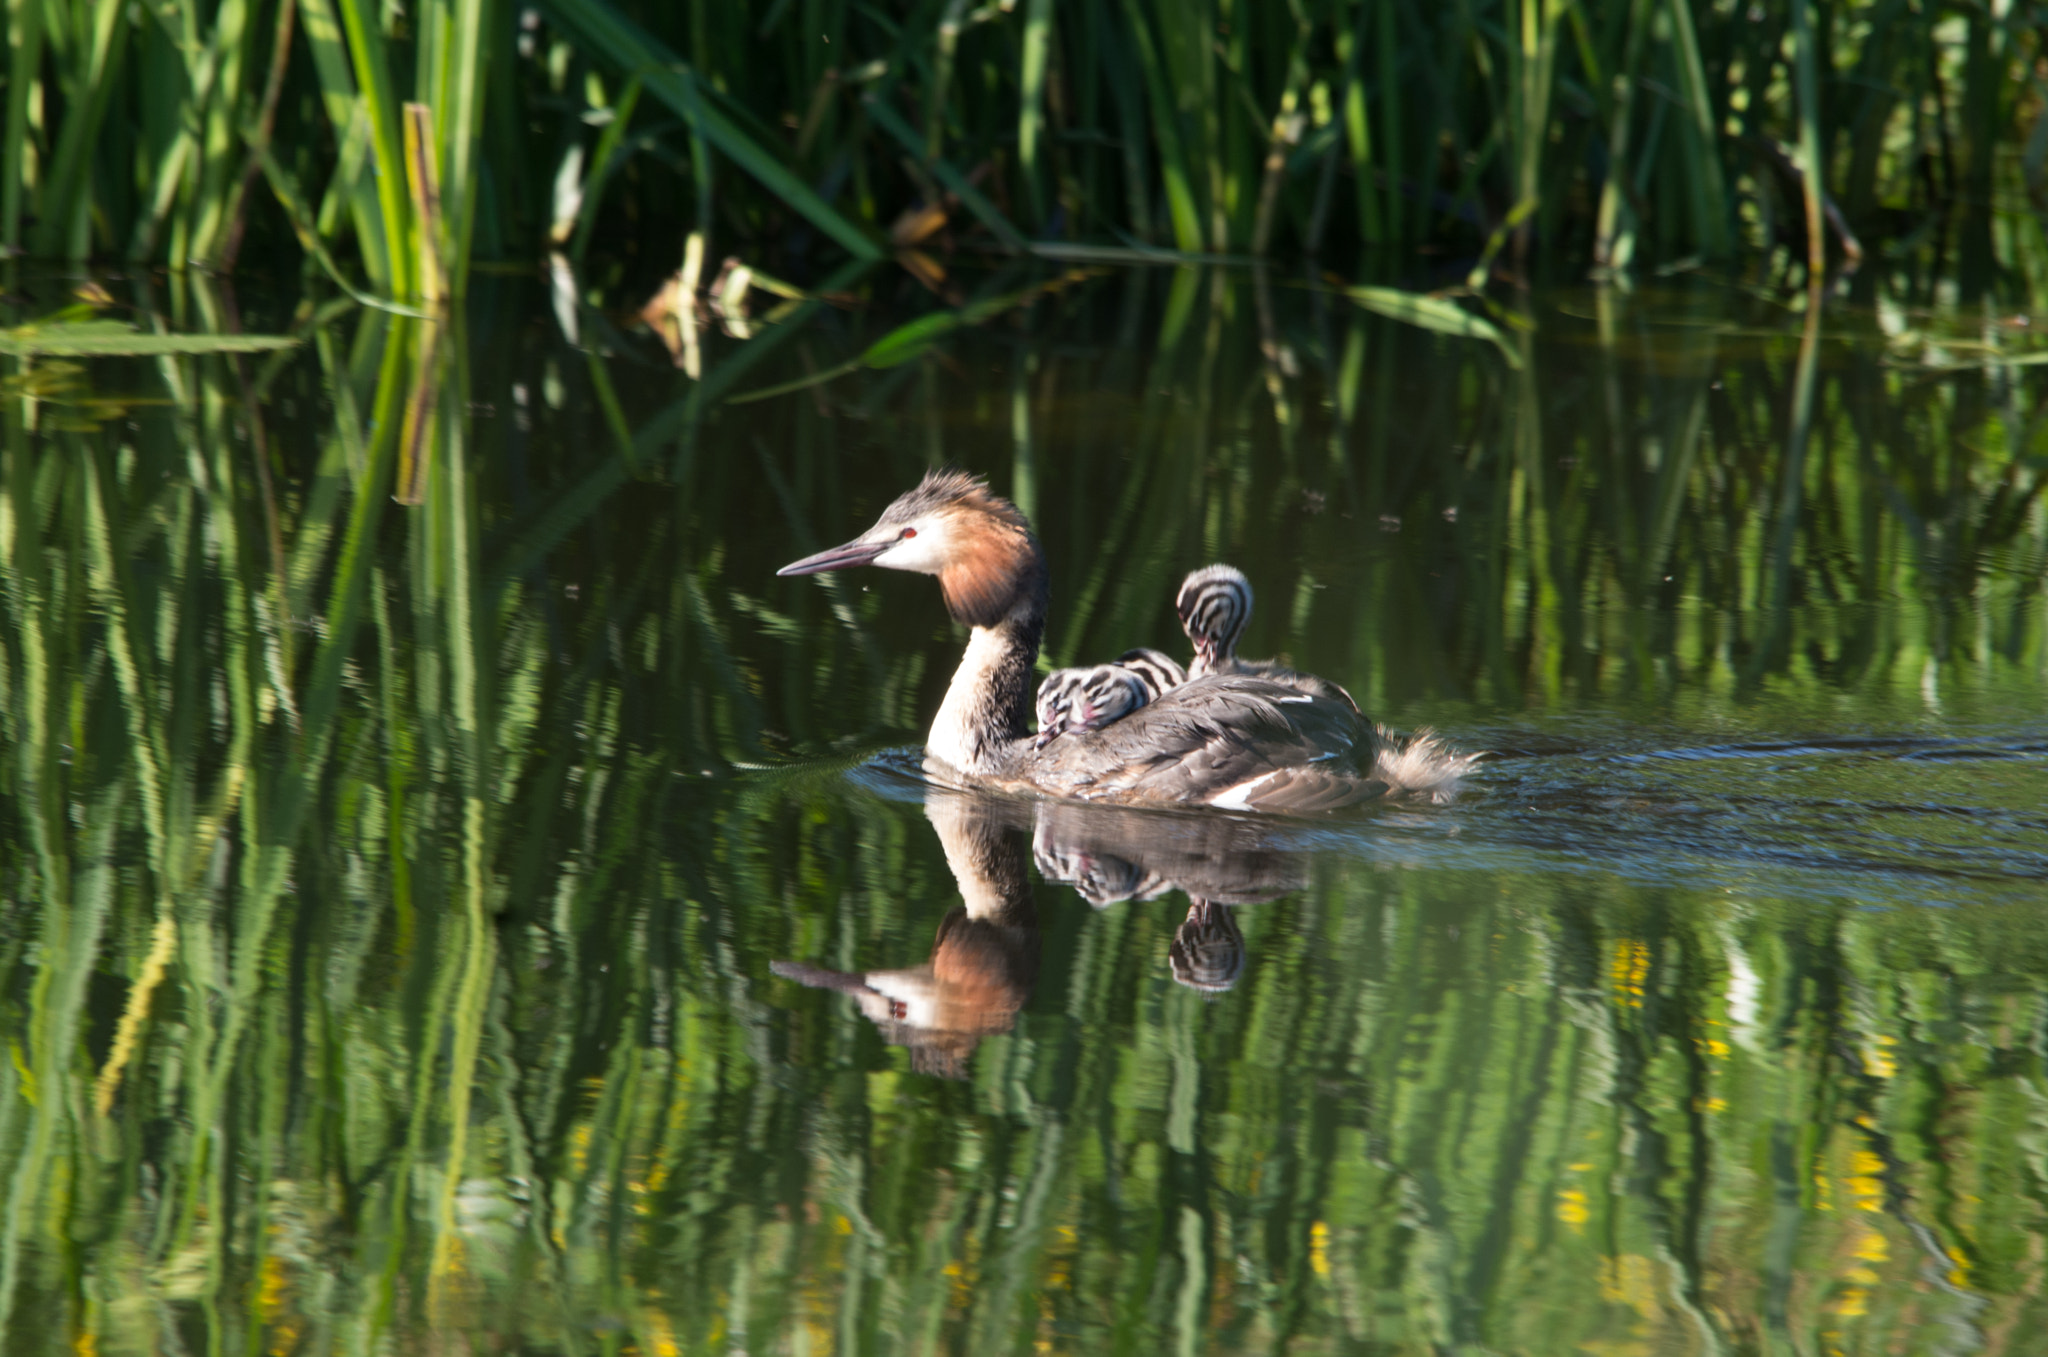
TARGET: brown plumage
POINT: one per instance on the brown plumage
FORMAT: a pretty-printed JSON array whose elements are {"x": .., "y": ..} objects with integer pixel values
[{"x": 1237, "y": 741}]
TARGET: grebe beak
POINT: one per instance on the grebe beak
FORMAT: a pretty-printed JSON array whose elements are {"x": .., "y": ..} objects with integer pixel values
[{"x": 858, "y": 552}]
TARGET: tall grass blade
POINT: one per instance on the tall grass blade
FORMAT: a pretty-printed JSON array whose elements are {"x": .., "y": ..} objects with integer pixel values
[
  {"x": 1387, "y": 53},
  {"x": 1357, "y": 120},
  {"x": 20, "y": 162},
  {"x": 65, "y": 203},
  {"x": 674, "y": 82},
  {"x": 603, "y": 162},
  {"x": 460, "y": 106},
  {"x": 1433, "y": 313},
  {"x": 1174, "y": 161},
  {"x": 1614, "y": 227},
  {"x": 1031, "y": 96},
  {"x": 116, "y": 339},
  {"x": 423, "y": 184},
  {"x": 1707, "y": 185},
  {"x": 349, "y": 115},
  {"x": 378, "y": 101},
  {"x": 1812, "y": 167}
]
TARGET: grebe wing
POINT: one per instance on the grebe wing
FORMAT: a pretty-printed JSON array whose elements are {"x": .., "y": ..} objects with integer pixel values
[
  {"x": 1275, "y": 672},
  {"x": 1224, "y": 740}
]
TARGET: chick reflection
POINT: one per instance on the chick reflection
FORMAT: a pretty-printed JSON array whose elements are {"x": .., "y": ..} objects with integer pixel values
[
  {"x": 984, "y": 960},
  {"x": 1109, "y": 854},
  {"x": 1208, "y": 951}
]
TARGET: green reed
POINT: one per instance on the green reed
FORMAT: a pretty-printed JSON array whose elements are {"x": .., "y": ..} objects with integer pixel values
[{"x": 1653, "y": 132}]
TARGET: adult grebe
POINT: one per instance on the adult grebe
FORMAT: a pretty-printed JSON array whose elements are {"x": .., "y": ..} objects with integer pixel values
[{"x": 1224, "y": 740}]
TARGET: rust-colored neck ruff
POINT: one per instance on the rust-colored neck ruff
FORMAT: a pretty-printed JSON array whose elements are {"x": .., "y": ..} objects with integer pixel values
[
  {"x": 993, "y": 564},
  {"x": 996, "y": 584}
]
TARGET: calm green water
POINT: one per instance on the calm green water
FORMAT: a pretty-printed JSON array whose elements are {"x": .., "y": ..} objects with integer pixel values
[{"x": 419, "y": 795}]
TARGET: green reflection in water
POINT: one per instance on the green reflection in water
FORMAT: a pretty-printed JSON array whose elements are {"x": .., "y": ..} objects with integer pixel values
[{"x": 479, "y": 915}]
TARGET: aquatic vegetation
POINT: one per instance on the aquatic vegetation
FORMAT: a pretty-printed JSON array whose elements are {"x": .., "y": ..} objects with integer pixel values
[
  {"x": 410, "y": 781},
  {"x": 390, "y": 148}
]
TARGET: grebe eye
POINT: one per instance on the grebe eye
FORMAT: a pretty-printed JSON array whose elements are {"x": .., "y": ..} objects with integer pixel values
[{"x": 908, "y": 532}]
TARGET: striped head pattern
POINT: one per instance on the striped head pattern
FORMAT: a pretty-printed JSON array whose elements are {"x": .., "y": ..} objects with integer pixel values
[
  {"x": 1158, "y": 671},
  {"x": 1088, "y": 699},
  {"x": 1102, "y": 878},
  {"x": 1207, "y": 954},
  {"x": 1215, "y": 603}
]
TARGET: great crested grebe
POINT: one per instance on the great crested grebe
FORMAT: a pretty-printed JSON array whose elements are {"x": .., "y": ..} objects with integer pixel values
[
  {"x": 1089, "y": 699},
  {"x": 1214, "y": 604},
  {"x": 1238, "y": 742}
]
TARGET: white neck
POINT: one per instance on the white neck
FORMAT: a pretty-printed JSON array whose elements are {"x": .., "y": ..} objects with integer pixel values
[{"x": 959, "y": 733}]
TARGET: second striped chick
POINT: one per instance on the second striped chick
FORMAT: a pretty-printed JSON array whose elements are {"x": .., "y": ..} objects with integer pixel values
[{"x": 1091, "y": 698}]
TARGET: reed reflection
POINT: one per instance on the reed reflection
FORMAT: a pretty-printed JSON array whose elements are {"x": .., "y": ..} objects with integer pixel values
[{"x": 985, "y": 958}]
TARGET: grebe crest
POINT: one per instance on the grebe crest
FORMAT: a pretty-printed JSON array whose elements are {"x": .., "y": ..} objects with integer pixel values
[{"x": 950, "y": 526}]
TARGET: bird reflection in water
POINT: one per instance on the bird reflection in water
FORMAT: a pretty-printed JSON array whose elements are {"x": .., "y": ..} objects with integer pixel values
[
  {"x": 1110, "y": 854},
  {"x": 985, "y": 958},
  {"x": 1208, "y": 950}
]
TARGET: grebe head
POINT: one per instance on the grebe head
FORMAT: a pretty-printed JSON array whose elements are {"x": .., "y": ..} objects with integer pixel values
[
  {"x": 1214, "y": 604},
  {"x": 1088, "y": 699},
  {"x": 950, "y": 526}
]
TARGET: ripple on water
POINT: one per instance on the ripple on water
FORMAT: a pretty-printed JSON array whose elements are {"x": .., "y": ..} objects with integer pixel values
[
  {"x": 1919, "y": 819},
  {"x": 1905, "y": 819}
]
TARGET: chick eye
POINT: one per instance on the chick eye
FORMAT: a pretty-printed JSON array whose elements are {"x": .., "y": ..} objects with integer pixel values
[{"x": 907, "y": 533}]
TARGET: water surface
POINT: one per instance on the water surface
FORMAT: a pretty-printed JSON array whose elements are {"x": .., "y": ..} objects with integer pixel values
[{"x": 463, "y": 901}]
